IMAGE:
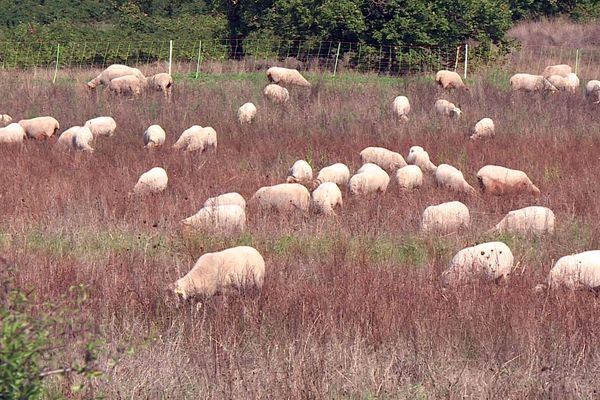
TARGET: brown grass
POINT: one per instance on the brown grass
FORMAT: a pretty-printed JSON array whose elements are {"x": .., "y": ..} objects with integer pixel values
[
  {"x": 557, "y": 32},
  {"x": 352, "y": 307}
]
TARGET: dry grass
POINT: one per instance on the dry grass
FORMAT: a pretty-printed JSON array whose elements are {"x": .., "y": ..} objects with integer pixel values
[
  {"x": 352, "y": 307},
  {"x": 557, "y": 32}
]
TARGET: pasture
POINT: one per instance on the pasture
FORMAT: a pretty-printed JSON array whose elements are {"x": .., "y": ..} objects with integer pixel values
[{"x": 352, "y": 306}]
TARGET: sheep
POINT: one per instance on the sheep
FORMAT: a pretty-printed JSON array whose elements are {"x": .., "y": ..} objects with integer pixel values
[
  {"x": 226, "y": 199},
  {"x": 40, "y": 128},
  {"x": 222, "y": 272},
  {"x": 246, "y": 113},
  {"x": 326, "y": 197},
  {"x": 492, "y": 261},
  {"x": 401, "y": 108},
  {"x": 161, "y": 82},
  {"x": 82, "y": 138},
  {"x": 592, "y": 91},
  {"x": 115, "y": 71},
  {"x": 531, "y": 83},
  {"x": 154, "y": 136},
  {"x": 229, "y": 218},
  {"x": 569, "y": 83},
  {"x": 276, "y": 93},
  {"x": 126, "y": 85},
  {"x": 300, "y": 171},
  {"x": 500, "y": 181},
  {"x": 12, "y": 133},
  {"x": 5, "y": 119},
  {"x": 370, "y": 178},
  {"x": 419, "y": 157},
  {"x": 409, "y": 177},
  {"x": 449, "y": 80},
  {"x": 445, "y": 218},
  {"x": 101, "y": 126},
  {"x": 283, "y": 197},
  {"x": 152, "y": 181},
  {"x": 560, "y": 70},
  {"x": 286, "y": 76},
  {"x": 197, "y": 138},
  {"x": 576, "y": 271},
  {"x": 535, "y": 219},
  {"x": 451, "y": 178},
  {"x": 66, "y": 138},
  {"x": 383, "y": 157},
  {"x": 337, "y": 173},
  {"x": 446, "y": 108},
  {"x": 483, "y": 129}
]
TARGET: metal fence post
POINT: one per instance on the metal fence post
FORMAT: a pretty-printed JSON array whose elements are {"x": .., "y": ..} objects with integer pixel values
[
  {"x": 466, "y": 59},
  {"x": 56, "y": 66},
  {"x": 170, "y": 55},
  {"x": 337, "y": 57},
  {"x": 576, "y": 61},
  {"x": 199, "y": 56}
]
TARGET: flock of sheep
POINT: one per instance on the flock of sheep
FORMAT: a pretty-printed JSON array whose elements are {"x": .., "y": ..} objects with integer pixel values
[{"x": 241, "y": 266}]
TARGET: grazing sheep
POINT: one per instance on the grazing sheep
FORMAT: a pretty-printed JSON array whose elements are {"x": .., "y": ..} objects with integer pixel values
[
  {"x": 419, "y": 157},
  {"x": 153, "y": 181},
  {"x": 483, "y": 129},
  {"x": 445, "y": 218},
  {"x": 82, "y": 138},
  {"x": 221, "y": 272},
  {"x": 337, "y": 173},
  {"x": 301, "y": 171},
  {"x": 5, "y": 119},
  {"x": 500, "y": 181},
  {"x": 531, "y": 83},
  {"x": 385, "y": 158},
  {"x": 66, "y": 138},
  {"x": 409, "y": 177},
  {"x": 326, "y": 197},
  {"x": 283, "y": 197},
  {"x": 444, "y": 107},
  {"x": 370, "y": 178},
  {"x": 488, "y": 261},
  {"x": 246, "y": 113},
  {"x": 226, "y": 199},
  {"x": 592, "y": 91},
  {"x": 154, "y": 136},
  {"x": 115, "y": 71},
  {"x": 570, "y": 83},
  {"x": 40, "y": 128},
  {"x": 449, "y": 177},
  {"x": 449, "y": 80},
  {"x": 161, "y": 82},
  {"x": 276, "y": 93},
  {"x": 286, "y": 76},
  {"x": 101, "y": 126},
  {"x": 126, "y": 85},
  {"x": 230, "y": 218},
  {"x": 197, "y": 138},
  {"x": 13, "y": 133},
  {"x": 401, "y": 108},
  {"x": 560, "y": 70},
  {"x": 576, "y": 271},
  {"x": 535, "y": 219}
]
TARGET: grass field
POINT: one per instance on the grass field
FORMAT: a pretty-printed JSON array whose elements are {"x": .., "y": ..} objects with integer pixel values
[{"x": 352, "y": 306}]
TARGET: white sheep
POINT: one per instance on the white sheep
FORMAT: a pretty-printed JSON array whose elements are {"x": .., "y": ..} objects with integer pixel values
[
  {"x": 531, "y": 83},
  {"x": 225, "y": 199},
  {"x": 386, "y": 159},
  {"x": 276, "y": 93},
  {"x": 246, "y": 113},
  {"x": 283, "y": 197},
  {"x": 326, "y": 197},
  {"x": 445, "y": 218},
  {"x": 300, "y": 171},
  {"x": 197, "y": 138},
  {"x": 409, "y": 177},
  {"x": 286, "y": 76},
  {"x": 337, "y": 173},
  {"x": 446, "y": 108},
  {"x": 535, "y": 219},
  {"x": 82, "y": 138},
  {"x": 115, "y": 71},
  {"x": 500, "y": 181},
  {"x": 230, "y": 217},
  {"x": 154, "y": 136},
  {"x": 483, "y": 129},
  {"x": 449, "y": 177},
  {"x": 419, "y": 157},
  {"x": 12, "y": 133},
  {"x": 449, "y": 80},
  {"x": 560, "y": 70},
  {"x": 576, "y": 271},
  {"x": 66, "y": 138},
  {"x": 401, "y": 108},
  {"x": 40, "y": 128},
  {"x": 126, "y": 85},
  {"x": 487, "y": 261},
  {"x": 569, "y": 83},
  {"x": 370, "y": 178},
  {"x": 102, "y": 126},
  {"x": 161, "y": 82},
  {"x": 152, "y": 181},
  {"x": 592, "y": 91},
  {"x": 5, "y": 119},
  {"x": 222, "y": 272}
]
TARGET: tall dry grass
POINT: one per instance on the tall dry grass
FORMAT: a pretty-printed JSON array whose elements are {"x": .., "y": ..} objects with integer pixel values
[{"x": 352, "y": 307}]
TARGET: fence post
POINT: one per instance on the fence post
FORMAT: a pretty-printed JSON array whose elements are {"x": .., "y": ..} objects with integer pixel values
[
  {"x": 56, "y": 66},
  {"x": 337, "y": 57},
  {"x": 576, "y": 61},
  {"x": 199, "y": 56},
  {"x": 466, "y": 58},
  {"x": 170, "y": 55},
  {"x": 456, "y": 59}
]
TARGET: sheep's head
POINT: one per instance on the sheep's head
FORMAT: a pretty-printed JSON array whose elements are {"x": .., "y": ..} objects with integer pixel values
[
  {"x": 534, "y": 190},
  {"x": 91, "y": 85}
]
